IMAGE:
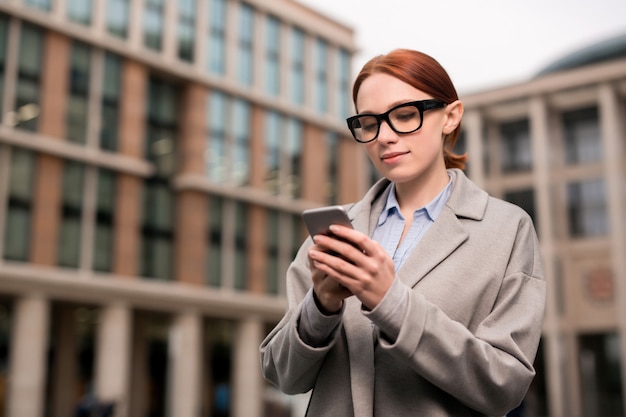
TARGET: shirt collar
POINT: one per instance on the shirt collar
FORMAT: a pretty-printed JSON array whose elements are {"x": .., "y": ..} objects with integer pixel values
[{"x": 432, "y": 209}]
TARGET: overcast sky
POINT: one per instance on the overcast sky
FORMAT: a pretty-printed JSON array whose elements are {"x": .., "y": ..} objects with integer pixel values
[{"x": 481, "y": 43}]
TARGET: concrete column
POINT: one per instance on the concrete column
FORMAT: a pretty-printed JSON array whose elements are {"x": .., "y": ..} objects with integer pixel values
[
  {"x": 113, "y": 357},
  {"x": 473, "y": 123},
  {"x": 247, "y": 380},
  {"x": 612, "y": 141},
  {"x": 186, "y": 360},
  {"x": 540, "y": 138},
  {"x": 29, "y": 342}
]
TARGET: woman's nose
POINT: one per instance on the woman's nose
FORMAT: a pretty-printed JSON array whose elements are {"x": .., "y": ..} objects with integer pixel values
[{"x": 386, "y": 133}]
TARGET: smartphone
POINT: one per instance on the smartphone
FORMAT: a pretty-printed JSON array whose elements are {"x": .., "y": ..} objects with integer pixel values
[{"x": 318, "y": 220}]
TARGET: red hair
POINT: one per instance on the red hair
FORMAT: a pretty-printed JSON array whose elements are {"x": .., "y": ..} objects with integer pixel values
[{"x": 423, "y": 72}]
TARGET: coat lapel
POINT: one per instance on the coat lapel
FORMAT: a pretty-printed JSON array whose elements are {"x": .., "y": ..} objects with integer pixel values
[{"x": 432, "y": 249}]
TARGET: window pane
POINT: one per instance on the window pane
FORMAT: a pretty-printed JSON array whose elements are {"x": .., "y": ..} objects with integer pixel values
[
  {"x": 39, "y": 4},
  {"x": 217, "y": 37},
  {"x": 153, "y": 24},
  {"x": 582, "y": 136},
  {"x": 186, "y": 29},
  {"x": 214, "y": 258},
  {"x": 297, "y": 66},
  {"x": 321, "y": 76},
  {"x": 332, "y": 170},
  {"x": 343, "y": 92},
  {"x": 110, "y": 102},
  {"x": 17, "y": 226},
  {"x": 587, "y": 208},
  {"x": 4, "y": 25},
  {"x": 241, "y": 258},
  {"x": 105, "y": 209},
  {"x": 273, "y": 122},
  {"x": 80, "y": 11},
  {"x": 294, "y": 156},
  {"x": 71, "y": 215},
  {"x": 217, "y": 163},
  {"x": 515, "y": 146},
  {"x": 241, "y": 130},
  {"x": 117, "y": 17},
  {"x": 272, "y": 65},
  {"x": 29, "y": 72},
  {"x": 273, "y": 231},
  {"x": 246, "y": 40}
]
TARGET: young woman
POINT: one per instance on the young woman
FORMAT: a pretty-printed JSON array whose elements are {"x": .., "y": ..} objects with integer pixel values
[{"x": 436, "y": 304}]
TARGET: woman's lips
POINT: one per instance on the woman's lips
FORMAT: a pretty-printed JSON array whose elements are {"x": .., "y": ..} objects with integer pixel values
[{"x": 392, "y": 157}]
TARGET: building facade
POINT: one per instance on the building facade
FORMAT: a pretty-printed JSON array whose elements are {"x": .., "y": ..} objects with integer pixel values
[
  {"x": 155, "y": 157},
  {"x": 556, "y": 146}
]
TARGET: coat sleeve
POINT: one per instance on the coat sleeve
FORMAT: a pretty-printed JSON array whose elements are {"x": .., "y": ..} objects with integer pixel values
[
  {"x": 490, "y": 366},
  {"x": 286, "y": 360}
]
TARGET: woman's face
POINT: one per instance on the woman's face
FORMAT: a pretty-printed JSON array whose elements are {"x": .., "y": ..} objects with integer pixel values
[{"x": 404, "y": 157}]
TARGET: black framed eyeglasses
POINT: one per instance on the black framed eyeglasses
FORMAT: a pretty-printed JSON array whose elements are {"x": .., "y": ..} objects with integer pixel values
[{"x": 403, "y": 118}]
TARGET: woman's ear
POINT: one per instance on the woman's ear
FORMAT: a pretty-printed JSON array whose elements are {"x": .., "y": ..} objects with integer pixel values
[{"x": 454, "y": 113}]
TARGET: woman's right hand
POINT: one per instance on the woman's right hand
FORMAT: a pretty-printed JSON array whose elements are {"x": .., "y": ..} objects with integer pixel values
[{"x": 329, "y": 294}]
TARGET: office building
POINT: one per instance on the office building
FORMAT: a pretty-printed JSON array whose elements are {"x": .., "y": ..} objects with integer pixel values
[
  {"x": 556, "y": 146},
  {"x": 155, "y": 157}
]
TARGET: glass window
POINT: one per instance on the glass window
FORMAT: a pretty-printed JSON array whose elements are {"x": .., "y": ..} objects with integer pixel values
[
  {"x": 583, "y": 143},
  {"x": 245, "y": 64},
  {"x": 111, "y": 104},
  {"x": 241, "y": 237},
  {"x": 321, "y": 76},
  {"x": 297, "y": 66},
  {"x": 214, "y": 247},
  {"x": 77, "y": 111},
  {"x": 272, "y": 56},
  {"x": 332, "y": 169},
  {"x": 4, "y": 33},
  {"x": 343, "y": 92},
  {"x": 215, "y": 154},
  {"x": 157, "y": 230},
  {"x": 153, "y": 24},
  {"x": 80, "y": 11},
  {"x": 217, "y": 37},
  {"x": 71, "y": 214},
  {"x": 587, "y": 208},
  {"x": 293, "y": 154},
  {"x": 515, "y": 146},
  {"x": 241, "y": 133},
  {"x": 273, "y": 127},
  {"x": 29, "y": 78},
  {"x": 162, "y": 126},
  {"x": 105, "y": 212},
  {"x": 600, "y": 377},
  {"x": 186, "y": 29},
  {"x": 6, "y": 319},
  {"x": 117, "y": 17},
  {"x": 39, "y": 4},
  {"x": 272, "y": 251},
  {"x": 20, "y": 194},
  {"x": 227, "y": 154}
]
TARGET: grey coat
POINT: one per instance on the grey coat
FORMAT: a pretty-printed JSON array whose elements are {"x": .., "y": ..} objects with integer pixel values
[{"x": 467, "y": 341}]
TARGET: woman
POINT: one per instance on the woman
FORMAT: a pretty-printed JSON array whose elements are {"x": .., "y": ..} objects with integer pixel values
[{"x": 437, "y": 305}]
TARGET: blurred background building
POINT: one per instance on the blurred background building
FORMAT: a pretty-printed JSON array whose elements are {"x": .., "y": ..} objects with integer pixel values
[{"x": 154, "y": 160}]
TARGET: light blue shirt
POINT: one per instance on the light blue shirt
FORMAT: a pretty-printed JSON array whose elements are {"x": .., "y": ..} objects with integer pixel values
[{"x": 391, "y": 224}]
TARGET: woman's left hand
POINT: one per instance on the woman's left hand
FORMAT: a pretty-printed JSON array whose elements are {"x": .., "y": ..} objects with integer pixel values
[{"x": 363, "y": 267}]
